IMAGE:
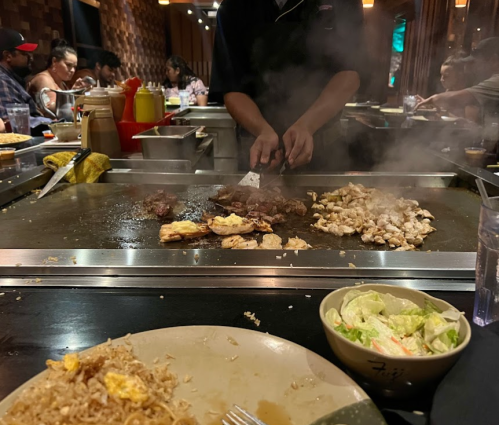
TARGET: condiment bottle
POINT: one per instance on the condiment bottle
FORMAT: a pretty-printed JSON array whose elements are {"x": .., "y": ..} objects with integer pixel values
[
  {"x": 132, "y": 85},
  {"x": 158, "y": 99},
  {"x": 98, "y": 132},
  {"x": 163, "y": 100},
  {"x": 144, "y": 105},
  {"x": 118, "y": 100},
  {"x": 97, "y": 98}
]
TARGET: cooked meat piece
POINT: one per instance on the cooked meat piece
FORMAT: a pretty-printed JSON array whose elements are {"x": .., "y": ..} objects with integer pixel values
[
  {"x": 428, "y": 214},
  {"x": 232, "y": 225},
  {"x": 271, "y": 242},
  {"x": 294, "y": 206},
  {"x": 238, "y": 242},
  {"x": 207, "y": 216},
  {"x": 236, "y": 210},
  {"x": 275, "y": 219},
  {"x": 296, "y": 243},
  {"x": 379, "y": 217},
  {"x": 231, "y": 241},
  {"x": 179, "y": 230},
  {"x": 242, "y": 200},
  {"x": 160, "y": 203},
  {"x": 262, "y": 225},
  {"x": 251, "y": 244}
]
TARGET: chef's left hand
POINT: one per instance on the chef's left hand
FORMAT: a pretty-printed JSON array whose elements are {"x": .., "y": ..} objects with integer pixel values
[{"x": 299, "y": 145}]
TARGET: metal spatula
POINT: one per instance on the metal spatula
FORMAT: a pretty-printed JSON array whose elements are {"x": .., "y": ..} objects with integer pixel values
[{"x": 253, "y": 177}]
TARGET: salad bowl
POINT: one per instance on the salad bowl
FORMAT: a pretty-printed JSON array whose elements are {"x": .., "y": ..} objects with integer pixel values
[{"x": 379, "y": 370}]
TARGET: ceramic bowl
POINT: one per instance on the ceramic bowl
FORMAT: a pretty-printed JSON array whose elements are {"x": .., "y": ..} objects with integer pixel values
[
  {"x": 389, "y": 375},
  {"x": 65, "y": 131}
]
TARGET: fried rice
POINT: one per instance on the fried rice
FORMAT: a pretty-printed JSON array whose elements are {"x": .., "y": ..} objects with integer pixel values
[{"x": 108, "y": 385}]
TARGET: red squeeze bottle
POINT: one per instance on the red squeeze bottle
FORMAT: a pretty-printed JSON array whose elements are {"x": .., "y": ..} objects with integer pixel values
[{"x": 133, "y": 85}]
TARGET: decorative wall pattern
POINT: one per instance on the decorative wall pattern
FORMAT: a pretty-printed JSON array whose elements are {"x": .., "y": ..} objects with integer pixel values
[
  {"x": 39, "y": 21},
  {"x": 136, "y": 31}
]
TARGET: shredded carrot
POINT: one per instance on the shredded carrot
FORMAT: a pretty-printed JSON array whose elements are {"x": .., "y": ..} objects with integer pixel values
[
  {"x": 404, "y": 349},
  {"x": 375, "y": 345},
  {"x": 337, "y": 323},
  {"x": 349, "y": 326}
]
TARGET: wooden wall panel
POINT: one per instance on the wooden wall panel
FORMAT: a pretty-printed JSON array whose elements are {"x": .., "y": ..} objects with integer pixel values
[
  {"x": 425, "y": 47},
  {"x": 187, "y": 28},
  {"x": 39, "y": 21},
  {"x": 135, "y": 31},
  {"x": 378, "y": 33},
  {"x": 190, "y": 40}
]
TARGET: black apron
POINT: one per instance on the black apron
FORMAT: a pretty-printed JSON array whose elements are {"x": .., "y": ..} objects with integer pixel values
[{"x": 292, "y": 62}]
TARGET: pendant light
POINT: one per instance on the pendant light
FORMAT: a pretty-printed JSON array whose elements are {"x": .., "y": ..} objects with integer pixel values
[
  {"x": 164, "y": 2},
  {"x": 369, "y": 3},
  {"x": 461, "y": 3}
]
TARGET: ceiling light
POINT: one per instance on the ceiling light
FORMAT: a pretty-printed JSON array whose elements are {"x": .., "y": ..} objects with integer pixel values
[
  {"x": 164, "y": 2},
  {"x": 369, "y": 3},
  {"x": 200, "y": 21},
  {"x": 189, "y": 11},
  {"x": 461, "y": 3},
  {"x": 215, "y": 4},
  {"x": 206, "y": 27},
  {"x": 478, "y": 29}
]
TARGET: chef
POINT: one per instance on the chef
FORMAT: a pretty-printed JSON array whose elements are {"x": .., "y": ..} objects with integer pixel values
[{"x": 285, "y": 69}]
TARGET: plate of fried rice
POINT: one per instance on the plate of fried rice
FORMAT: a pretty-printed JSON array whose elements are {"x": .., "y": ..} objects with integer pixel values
[{"x": 190, "y": 376}]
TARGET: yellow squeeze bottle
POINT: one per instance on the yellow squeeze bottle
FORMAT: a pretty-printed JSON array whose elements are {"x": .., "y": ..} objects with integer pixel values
[{"x": 144, "y": 105}]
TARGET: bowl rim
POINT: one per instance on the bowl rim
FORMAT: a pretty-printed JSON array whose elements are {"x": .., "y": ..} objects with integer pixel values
[{"x": 368, "y": 286}]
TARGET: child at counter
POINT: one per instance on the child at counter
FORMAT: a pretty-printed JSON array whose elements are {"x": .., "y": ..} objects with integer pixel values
[{"x": 180, "y": 77}]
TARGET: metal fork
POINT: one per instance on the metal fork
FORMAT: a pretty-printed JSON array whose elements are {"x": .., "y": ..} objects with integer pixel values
[{"x": 241, "y": 417}]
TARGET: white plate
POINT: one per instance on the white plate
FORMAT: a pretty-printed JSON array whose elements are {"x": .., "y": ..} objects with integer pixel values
[
  {"x": 55, "y": 143},
  {"x": 260, "y": 379},
  {"x": 392, "y": 110},
  {"x": 419, "y": 118},
  {"x": 177, "y": 104}
]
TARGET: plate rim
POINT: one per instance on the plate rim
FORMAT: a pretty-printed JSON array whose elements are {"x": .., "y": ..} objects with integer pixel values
[{"x": 6, "y": 402}]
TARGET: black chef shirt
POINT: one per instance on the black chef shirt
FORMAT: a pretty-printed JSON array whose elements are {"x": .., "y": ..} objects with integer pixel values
[{"x": 283, "y": 58}]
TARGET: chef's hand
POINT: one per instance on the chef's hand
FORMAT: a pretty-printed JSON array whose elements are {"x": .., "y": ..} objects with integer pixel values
[
  {"x": 261, "y": 151},
  {"x": 299, "y": 145}
]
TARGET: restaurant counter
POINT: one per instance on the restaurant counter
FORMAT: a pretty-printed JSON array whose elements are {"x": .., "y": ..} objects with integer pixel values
[{"x": 40, "y": 323}]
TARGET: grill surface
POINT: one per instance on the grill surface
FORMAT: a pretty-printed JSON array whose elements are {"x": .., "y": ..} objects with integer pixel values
[{"x": 109, "y": 216}]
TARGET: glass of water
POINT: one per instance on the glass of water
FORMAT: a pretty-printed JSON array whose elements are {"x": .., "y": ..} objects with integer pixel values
[
  {"x": 184, "y": 99},
  {"x": 487, "y": 266},
  {"x": 19, "y": 118},
  {"x": 410, "y": 102}
]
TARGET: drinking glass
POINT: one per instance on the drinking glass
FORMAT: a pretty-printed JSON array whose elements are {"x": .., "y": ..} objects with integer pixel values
[
  {"x": 410, "y": 102},
  {"x": 19, "y": 118},
  {"x": 487, "y": 266},
  {"x": 184, "y": 99}
]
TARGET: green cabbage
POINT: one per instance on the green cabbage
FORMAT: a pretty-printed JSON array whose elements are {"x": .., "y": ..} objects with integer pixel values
[
  {"x": 395, "y": 326},
  {"x": 405, "y": 324}
]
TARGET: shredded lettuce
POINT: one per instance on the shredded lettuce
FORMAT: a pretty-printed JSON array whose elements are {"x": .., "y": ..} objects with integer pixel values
[
  {"x": 403, "y": 325},
  {"x": 395, "y": 326},
  {"x": 362, "y": 336},
  {"x": 430, "y": 307},
  {"x": 360, "y": 305},
  {"x": 394, "y": 305}
]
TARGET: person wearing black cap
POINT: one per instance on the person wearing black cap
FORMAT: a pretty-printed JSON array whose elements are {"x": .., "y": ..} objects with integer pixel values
[
  {"x": 484, "y": 61},
  {"x": 15, "y": 64},
  {"x": 285, "y": 69}
]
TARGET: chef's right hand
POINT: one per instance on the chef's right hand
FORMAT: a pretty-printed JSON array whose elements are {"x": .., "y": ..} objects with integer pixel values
[{"x": 261, "y": 151}]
